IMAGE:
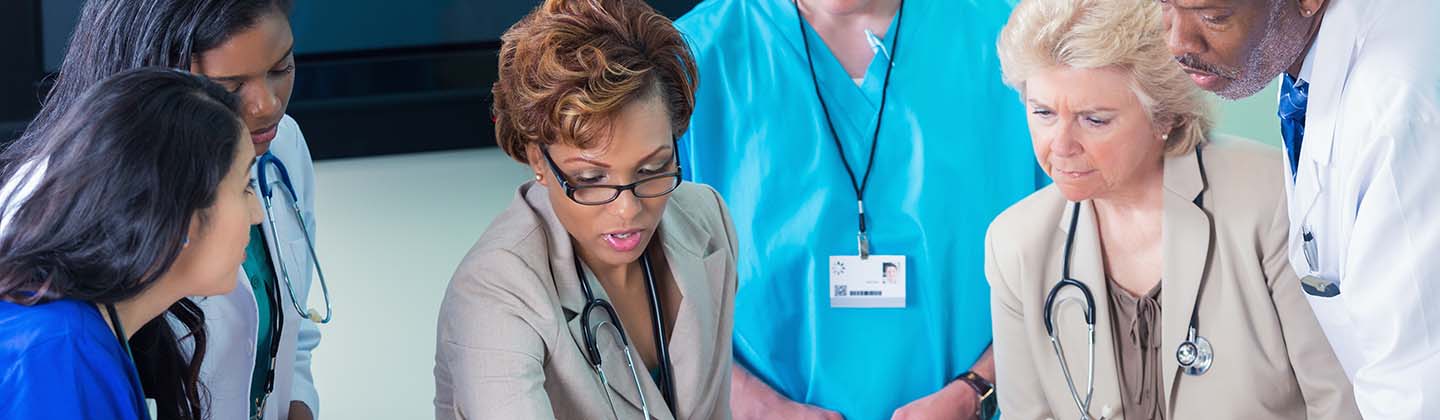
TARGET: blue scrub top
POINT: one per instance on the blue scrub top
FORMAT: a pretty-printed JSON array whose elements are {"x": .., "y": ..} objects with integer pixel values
[
  {"x": 954, "y": 152},
  {"x": 60, "y": 360}
]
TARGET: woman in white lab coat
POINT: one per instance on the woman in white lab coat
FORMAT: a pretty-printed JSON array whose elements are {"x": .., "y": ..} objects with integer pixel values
[
  {"x": 247, "y": 47},
  {"x": 1360, "y": 116}
]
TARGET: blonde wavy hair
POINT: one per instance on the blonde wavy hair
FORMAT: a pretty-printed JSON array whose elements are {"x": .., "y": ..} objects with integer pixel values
[
  {"x": 570, "y": 66},
  {"x": 1092, "y": 34}
]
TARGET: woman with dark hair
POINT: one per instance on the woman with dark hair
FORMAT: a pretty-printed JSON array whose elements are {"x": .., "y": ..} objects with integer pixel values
[
  {"x": 606, "y": 289},
  {"x": 245, "y": 46},
  {"x": 140, "y": 197}
]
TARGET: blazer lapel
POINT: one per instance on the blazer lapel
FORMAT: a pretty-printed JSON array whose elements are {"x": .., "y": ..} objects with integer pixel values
[
  {"x": 1334, "y": 50},
  {"x": 614, "y": 361},
  {"x": 1088, "y": 267},
  {"x": 692, "y": 343},
  {"x": 1186, "y": 253}
]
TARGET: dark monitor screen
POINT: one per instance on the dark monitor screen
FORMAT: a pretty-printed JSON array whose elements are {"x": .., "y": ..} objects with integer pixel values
[
  {"x": 369, "y": 72},
  {"x": 334, "y": 26}
]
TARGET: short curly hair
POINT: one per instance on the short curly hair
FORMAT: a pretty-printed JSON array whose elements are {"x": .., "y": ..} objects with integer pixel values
[
  {"x": 1126, "y": 34},
  {"x": 570, "y": 66}
]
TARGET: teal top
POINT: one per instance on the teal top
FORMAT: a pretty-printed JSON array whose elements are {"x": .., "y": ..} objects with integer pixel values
[
  {"x": 953, "y": 152},
  {"x": 262, "y": 276}
]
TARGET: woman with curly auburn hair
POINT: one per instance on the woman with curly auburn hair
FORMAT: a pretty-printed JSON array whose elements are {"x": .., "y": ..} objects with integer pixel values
[{"x": 605, "y": 290}]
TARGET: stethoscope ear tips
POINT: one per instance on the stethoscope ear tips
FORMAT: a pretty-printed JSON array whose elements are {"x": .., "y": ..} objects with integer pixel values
[{"x": 314, "y": 316}]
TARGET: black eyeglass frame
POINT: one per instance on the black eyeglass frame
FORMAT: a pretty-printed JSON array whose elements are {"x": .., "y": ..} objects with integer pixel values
[{"x": 571, "y": 189}]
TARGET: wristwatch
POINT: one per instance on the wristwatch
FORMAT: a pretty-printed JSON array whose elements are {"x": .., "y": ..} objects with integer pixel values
[{"x": 985, "y": 410}]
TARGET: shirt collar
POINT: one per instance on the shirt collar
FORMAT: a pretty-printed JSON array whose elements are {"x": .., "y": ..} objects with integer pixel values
[{"x": 1307, "y": 67}]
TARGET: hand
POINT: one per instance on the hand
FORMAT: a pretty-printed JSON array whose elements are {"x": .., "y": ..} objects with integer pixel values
[
  {"x": 781, "y": 409},
  {"x": 752, "y": 399},
  {"x": 300, "y": 411},
  {"x": 956, "y": 401}
]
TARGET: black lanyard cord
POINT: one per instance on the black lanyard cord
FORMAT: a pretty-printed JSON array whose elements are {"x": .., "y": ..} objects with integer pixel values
[
  {"x": 861, "y": 185},
  {"x": 277, "y": 329},
  {"x": 134, "y": 374}
]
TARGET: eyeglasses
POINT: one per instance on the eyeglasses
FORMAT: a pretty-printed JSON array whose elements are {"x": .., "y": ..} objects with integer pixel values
[{"x": 594, "y": 195}]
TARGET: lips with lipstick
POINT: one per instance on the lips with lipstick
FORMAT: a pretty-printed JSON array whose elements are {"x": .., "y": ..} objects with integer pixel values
[{"x": 623, "y": 240}]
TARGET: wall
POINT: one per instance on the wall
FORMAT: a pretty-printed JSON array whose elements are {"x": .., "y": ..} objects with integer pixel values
[{"x": 391, "y": 232}]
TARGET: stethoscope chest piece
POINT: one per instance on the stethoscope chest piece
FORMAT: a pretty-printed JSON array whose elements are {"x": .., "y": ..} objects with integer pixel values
[{"x": 1195, "y": 355}]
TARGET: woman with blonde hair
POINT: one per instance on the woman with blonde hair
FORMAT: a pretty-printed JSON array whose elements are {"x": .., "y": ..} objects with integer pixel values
[{"x": 1146, "y": 212}]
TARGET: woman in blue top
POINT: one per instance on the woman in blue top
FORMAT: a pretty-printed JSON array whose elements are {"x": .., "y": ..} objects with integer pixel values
[{"x": 137, "y": 197}]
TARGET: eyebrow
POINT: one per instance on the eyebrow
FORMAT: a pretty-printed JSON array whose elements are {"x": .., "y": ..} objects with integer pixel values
[
  {"x": 607, "y": 166},
  {"x": 1190, "y": 7},
  {"x": 282, "y": 58}
]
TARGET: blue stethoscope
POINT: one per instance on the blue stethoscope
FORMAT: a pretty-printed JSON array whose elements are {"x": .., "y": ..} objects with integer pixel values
[{"x": 267, "y": 194}]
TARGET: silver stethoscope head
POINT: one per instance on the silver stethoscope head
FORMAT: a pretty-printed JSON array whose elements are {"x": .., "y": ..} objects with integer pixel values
[
  {"x": 267, "y": 193},
  {"x": 1195, "y": 354}
]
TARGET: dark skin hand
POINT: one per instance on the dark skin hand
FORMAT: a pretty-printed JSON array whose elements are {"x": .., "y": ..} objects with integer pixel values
[{"x": 300, "y": 411}]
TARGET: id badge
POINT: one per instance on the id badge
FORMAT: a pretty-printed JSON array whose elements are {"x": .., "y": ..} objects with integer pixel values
[{"x": 874, "y": 282}]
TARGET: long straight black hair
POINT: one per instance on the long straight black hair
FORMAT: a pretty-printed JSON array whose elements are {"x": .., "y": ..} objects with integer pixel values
[
  {"x": 113, "y": 187},
  {"x": 118, "y": 35}
]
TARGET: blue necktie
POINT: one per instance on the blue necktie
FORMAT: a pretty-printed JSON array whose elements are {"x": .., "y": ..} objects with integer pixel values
[{"x": 1293, "y": 96}]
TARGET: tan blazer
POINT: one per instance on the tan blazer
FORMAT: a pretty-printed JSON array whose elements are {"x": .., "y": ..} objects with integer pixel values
[
  {"x": 1271, "y": 359},
  {"x": 510, "y": 345}
]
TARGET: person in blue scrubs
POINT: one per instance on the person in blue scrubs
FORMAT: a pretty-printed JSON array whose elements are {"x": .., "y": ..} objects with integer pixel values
[
  {"x": 138, "y": 197},
  {"x": 949, "y": 152}
]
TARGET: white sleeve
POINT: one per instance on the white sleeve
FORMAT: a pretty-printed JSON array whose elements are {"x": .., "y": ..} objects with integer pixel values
[
  {"x": 1389, "y": 272},
  {"x": 308, "y": 336}
]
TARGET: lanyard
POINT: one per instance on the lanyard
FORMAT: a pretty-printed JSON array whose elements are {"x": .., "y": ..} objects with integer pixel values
[
  {"x": 134, "y": 374},
  {"x": 862, "y": 239}
]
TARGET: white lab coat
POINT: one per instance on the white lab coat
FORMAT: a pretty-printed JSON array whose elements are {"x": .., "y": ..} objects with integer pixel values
[
  {"x": 1368, "y": 188},
  {"x": 232, "y": 322}
]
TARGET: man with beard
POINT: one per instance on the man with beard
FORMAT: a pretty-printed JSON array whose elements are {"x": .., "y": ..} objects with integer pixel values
[{"x": 1360, "y": 112}]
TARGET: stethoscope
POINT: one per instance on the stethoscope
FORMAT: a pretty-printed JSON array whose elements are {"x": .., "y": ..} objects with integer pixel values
[
  {"x": 592, "y": 348},
  {"x": 273, "y": 293},
  {"x": 1195, "y": 354},
  {"x": 267, "y": 194}
]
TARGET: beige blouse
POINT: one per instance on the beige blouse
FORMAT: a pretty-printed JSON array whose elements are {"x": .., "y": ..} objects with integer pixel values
[{"x": 1137, "y": 342}]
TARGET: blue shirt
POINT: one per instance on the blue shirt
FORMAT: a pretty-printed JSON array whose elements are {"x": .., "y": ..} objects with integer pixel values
[
  {"x": 953, "y": 153},
  {"x": 60, "y": 360}
]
